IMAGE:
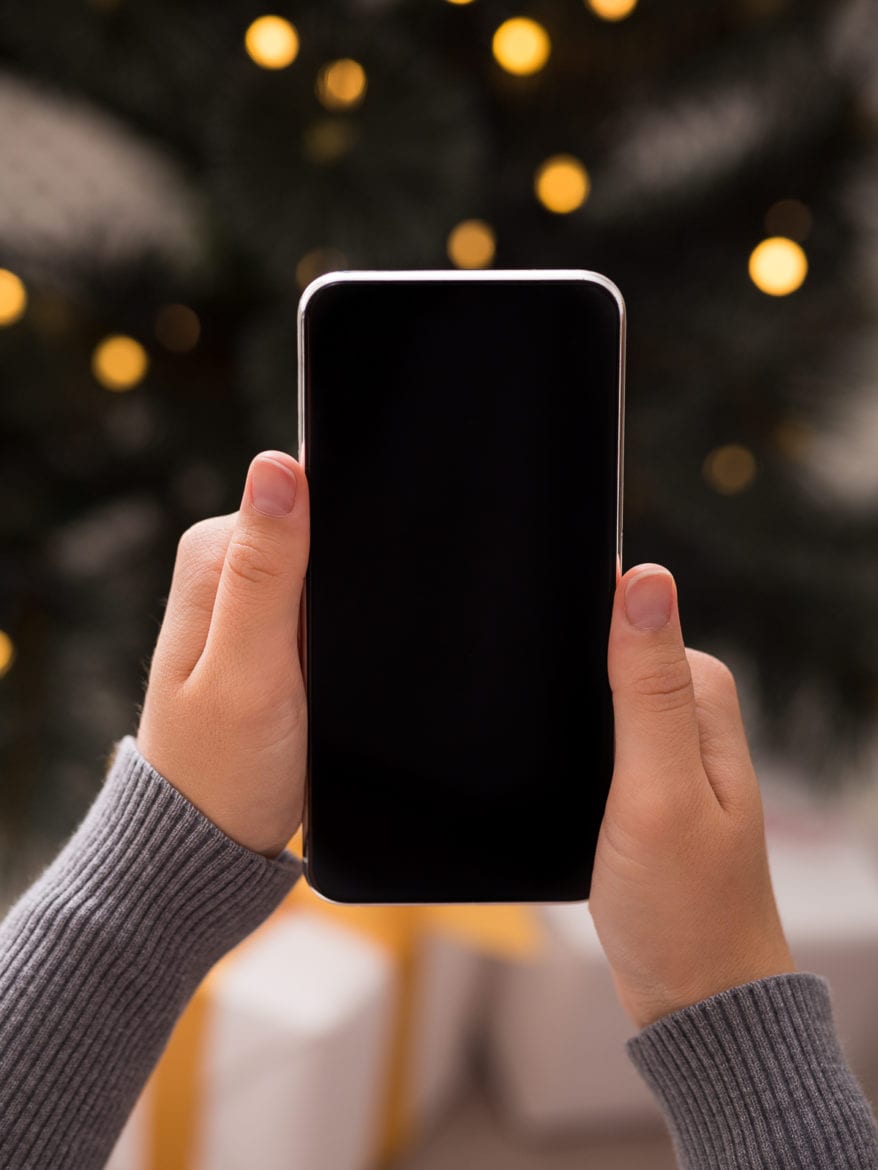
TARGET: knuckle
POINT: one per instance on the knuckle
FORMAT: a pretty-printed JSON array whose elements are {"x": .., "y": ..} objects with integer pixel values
[
  {"x": 251, "y": 562},
  {"x": 711, "y": 667},
  {"x": 712, "y": 677},
  {"x": 200, "y": 539},
  {"x": 667, "y": 687},
  {"x": 200, "y": 552},
  {"x": 190, "y": 540}
]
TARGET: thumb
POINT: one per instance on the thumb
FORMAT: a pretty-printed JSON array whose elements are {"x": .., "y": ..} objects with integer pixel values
[
  {"x": 256, "y": 611},
  {"x": 657, "y": 736}
]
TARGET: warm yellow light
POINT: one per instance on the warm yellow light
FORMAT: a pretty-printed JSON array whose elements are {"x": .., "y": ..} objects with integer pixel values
[
  {"x": 272, "y": 42},
  {"x": 730, "y": 469},
  {"x": 7, "y": 653},
  {"x": 471, "y": 244},
  {"x": 521, "y": 45},
  {"x": 460, "y": 2},
  {"x": 794, "y": 438},
  {"x": 612, "y": 9},
  {"x": 318, "y": 261},
  {"x": 119, "y": 362},
  {"x": 778, "y": 266},
  {"x": 13, "y": 297},
  {"x": 562, "y": 183},
  {"x": 341, "y": 84},
  {"x": 328, "y": 139},
  {"x": 177, "y": 328}
]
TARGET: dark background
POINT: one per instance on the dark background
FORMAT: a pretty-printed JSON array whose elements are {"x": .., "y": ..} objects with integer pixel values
[{"x": 148, "y": 162}]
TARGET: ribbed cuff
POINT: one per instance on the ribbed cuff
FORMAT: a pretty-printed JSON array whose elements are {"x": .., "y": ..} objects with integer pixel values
[
  {"x": 754, "y": 1079},
  {"x": 101, "y": 954}
]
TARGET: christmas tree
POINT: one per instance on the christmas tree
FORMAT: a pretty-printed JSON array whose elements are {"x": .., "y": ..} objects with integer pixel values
[{"x": 175, "y": 172}]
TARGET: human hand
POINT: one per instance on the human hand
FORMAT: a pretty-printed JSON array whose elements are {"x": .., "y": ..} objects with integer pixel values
[
  {"x": 224, "y": 717},
  {"x": 681, "y": 893}
]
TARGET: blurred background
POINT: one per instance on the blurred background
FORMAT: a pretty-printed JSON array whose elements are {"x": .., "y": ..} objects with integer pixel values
[{"x": 174, "y": 172}]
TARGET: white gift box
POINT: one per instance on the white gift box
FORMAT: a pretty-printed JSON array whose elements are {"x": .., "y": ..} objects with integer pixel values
[
  {"x": 294, "y": 1056},
  {"x": 448, "y": 1007},
  {"x": 826, "y": 881},
  {"x": 298, "y": 1046},
  {"x": 556, "y": 1033}
]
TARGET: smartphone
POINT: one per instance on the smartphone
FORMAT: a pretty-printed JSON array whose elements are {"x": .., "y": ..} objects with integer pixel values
[{"x": 462, "y": 436}]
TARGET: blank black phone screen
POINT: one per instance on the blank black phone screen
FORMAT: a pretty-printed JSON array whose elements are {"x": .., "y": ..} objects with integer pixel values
[{"x": 461, "y": 445}]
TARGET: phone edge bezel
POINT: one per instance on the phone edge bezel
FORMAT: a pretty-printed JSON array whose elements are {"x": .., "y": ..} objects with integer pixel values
[{"x": 346, "y": 276}]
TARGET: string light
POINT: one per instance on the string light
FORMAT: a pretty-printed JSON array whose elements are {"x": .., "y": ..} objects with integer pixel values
[
  {"x": 562, "y": 183},
  {"x": 730, "y": 469},
  {"x": 612, "y": 9},
  {"x": 790, "y": 218},
  {"x": 778, "y": 266},
  {"x": 341, "y": 84},
  {"x": 177, "y": 328},
  {"x": 13, "y": 297},
  {"x": 7, "y": 653},
  {"x": 119, "y": 362},
  {"x": 793, "y": 438},
  {"x": 328, "y": 139},
  {"x": 471, "y": 244},
  {"x": 318, "y": 261},
  {"x": 521, "y": 45},
  {"x": 272, "y": 42}
]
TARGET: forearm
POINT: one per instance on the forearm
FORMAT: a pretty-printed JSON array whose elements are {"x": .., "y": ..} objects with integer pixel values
[
  {"x": 101, "y": 954},
  {"x": 754, "y": 1079}
]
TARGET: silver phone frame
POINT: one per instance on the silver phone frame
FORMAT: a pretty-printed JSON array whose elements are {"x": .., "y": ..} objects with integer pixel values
[{"x": 508, "y": 275}]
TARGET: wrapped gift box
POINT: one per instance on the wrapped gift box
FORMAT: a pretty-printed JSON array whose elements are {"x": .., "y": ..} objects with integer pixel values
[
  {"x": 826, "y": 879},
  {"x": 293, "y": 1054},
  {"x": 326, "y": 1041},
  {"x": 555, "y": 1033}
]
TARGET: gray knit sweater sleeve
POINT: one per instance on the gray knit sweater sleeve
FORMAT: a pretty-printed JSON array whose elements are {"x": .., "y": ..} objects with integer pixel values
[
  {"x": 101, "y": 954},
  {"x": 755, "y": 1079}
]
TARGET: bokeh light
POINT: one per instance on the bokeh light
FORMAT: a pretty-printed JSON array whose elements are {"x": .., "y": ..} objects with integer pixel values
[
  {"x": 521, "y": 45},
  {"x": 794, "y": 438},
  {"x": 562, "y": 183},
  {"x": 13, "y": 297},
  {"x": 471, "y": 244},
  {"x": 341, "y": 84},
  {"x": 7, "y": 653},
  {"x": 177, "y": 328},
  {"x": 318, "y": 261},
  {"x": 730, "y": 469},
  {"x": 612, "y": 9},
  {"x": 778, "y": 266},
  {"x": 790, "y": 218},
  {"x": 272, "y": 42},
  {"x": 119, "y": 362},
  {"x": 327, "y": 140},
  {"x": 460, "y": 2}
]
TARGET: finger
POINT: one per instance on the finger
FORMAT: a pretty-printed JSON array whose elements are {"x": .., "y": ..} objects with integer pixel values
[
  {"x": 653, "y": 698},
  {"x": 200, "y": 554},
  {"x": 256, "y": 612},
  {"x": 725, "y": 752}
]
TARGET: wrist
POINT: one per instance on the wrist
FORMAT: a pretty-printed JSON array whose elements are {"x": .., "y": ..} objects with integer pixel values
[{"x": 646, "y": 1004}]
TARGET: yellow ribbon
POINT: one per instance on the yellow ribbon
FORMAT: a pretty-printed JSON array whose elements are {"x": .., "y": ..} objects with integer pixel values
[{"x": 175, "y": 1095}]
